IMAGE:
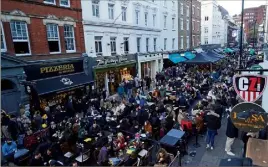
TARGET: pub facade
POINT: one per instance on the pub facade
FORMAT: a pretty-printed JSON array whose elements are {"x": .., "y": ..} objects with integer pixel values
[
  {"x": 110, "y": 71},
  {"x": 53, "y": 83}
]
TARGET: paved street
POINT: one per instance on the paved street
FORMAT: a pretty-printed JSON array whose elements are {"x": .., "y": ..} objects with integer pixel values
[{"x": 205, "y": 157}]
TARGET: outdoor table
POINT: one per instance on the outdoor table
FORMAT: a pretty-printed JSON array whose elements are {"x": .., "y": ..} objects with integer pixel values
[
  {"x": 172, "y": 137},
  {"x": 150, "y": 103},
  {"x": 257, "y": 150},
  {"x": 143, "y": 153}
]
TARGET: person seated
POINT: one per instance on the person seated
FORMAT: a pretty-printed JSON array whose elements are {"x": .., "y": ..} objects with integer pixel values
[
  {"x": 132, "y": 99},
  {"x": 94, "y": 130},
  {"x": 131, "y": 160},
  {"x": 82, "y": 133},
  {"x": 120, "y": 142},
  {"x": 148, "y": 128},
  {"x": 48, "y": 156},
  {"x": 37, "y": 160},
  {"x": 103, "y": 158},
  {"x": 9, "y": 149},
  {"x": 163, "y": 157},
  {"x": 182, "y": 115}
]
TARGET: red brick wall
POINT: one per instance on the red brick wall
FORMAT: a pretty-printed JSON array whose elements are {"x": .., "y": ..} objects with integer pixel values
[{"x": 37, "y": 30}]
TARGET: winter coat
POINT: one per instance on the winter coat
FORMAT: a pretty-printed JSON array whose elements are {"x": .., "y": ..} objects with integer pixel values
[{"x": 231, "y": 131}]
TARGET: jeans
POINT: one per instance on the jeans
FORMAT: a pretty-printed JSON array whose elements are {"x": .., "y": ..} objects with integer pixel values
[
  {"x": 129, "y": 93},
  {"x": 211, "y": 136}
]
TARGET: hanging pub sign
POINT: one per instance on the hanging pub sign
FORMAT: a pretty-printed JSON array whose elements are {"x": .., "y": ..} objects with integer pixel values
[
  {"x": 249, "y": 87},
  {"x": 249, "y": 117}
]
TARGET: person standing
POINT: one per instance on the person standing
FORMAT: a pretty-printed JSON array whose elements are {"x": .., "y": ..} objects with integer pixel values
[
  {"x": 231, "y": 133},
  {"x": 213, "y": 124}
]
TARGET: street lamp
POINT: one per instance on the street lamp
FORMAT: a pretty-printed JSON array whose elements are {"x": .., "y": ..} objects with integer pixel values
[
  {"x": 241, "y": 36},
  {"x": 255, "y": 20}
]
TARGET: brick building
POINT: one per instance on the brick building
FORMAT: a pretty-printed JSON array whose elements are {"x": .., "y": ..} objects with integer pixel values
[
  {"x": 38, "y": 35},
  {"x": 42, "y": 29},
  {"x": 252, "y": 14},
  {"x": 184, "y": 23}
]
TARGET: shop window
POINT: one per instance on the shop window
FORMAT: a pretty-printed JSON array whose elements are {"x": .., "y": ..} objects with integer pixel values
[
  {"x": 3, "y": 40},
  {"x": 53, "y": 38},
  {"x": 69, "y": 38},
  {"x": 7, "y": 85},
  {"x": 126, "y": 45},
  {"x": 98, "y": 45},
  {"x": 113, "y": 45},
  {"x": 20, "y": 37}
]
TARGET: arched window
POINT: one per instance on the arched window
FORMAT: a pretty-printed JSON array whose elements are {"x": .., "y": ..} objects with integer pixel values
[{"x": 7, "y": 85}]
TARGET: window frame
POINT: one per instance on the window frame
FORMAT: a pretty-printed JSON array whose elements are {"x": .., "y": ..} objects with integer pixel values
[
  {"x": 74, "y": 50},
  {"x": 182, "y": 24},
  {"x": 113, "y": 42},
  {"x": 95, "y": 5},
  {"x": 155, "y": 44},
  {"x": 126, "y": 51},
  {"x": 173, "y": 23},
  {"x": 3, "y": 38},
  {"x": 182, "y": 44},
  {"x": 188, "y": 11},
  {"x": 137, "y": 17},
  {"x": 138, "y": 44},
  {"x": 165, "y": 21},
  {"x": 154, "y": 20},
  {"x": 50, "y": 3},
  {"x": 193, "y": 24},
  {"x": 111, "y": 11},
  {"x": 98, "y": 53},
  {"x": 146, "y": 18},
  {"x": 59, "y": 43},
  {"x": 187, "y": 42},
  {"x": 182, "y": 8},
  {"x": 173, "y": 43},
  {"x": 124, "y": 13},
  {"x": 187, "y": 25},
  {"x": 147, "y": 44},
  {"x": 28, "y": 38},
  {"x": 62, "y": 5},
  {"x": 165, "y": 43}
]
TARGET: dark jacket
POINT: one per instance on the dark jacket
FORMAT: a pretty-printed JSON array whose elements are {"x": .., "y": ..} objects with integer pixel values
[
  {"x": 231, "y": 130},
  {"x": 213, "y": 122}
]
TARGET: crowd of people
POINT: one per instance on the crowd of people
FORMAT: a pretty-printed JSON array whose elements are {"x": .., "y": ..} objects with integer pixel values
[{"x": 190, "y": 98}]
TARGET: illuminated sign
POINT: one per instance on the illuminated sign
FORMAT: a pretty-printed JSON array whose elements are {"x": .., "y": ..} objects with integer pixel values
[{"x": 249, "y": 117}]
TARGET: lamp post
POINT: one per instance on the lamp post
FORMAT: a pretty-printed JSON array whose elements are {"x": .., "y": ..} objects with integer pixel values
[
  {"x": 254, "y": 33},
  {"x": 241, "y": 36}
]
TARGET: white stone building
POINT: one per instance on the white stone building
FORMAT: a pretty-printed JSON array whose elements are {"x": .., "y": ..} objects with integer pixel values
[
  {"x": 214, "y": 23},
  {"x": 118, "y": 27}
]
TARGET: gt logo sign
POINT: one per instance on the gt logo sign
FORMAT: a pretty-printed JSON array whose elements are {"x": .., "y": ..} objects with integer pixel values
[{"x": 249, "y": 87}]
